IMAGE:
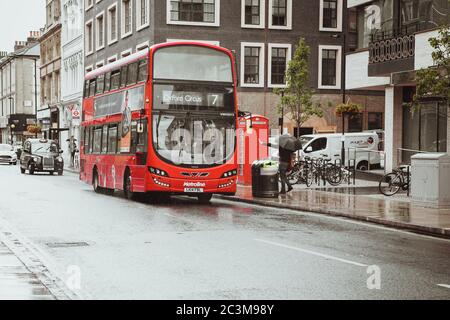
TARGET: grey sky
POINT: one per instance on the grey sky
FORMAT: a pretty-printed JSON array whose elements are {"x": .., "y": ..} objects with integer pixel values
[{"x": 17, "y": 18}]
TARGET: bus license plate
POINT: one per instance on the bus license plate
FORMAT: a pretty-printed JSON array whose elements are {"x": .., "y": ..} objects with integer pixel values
[{"x": 193, "y": 190}]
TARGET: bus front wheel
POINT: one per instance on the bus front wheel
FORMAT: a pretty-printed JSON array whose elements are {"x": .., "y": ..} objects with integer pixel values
[
  {"x": 95, "y": 183},
  {"x": 204, "y": 198},
  {"x": 127, "y": 187}
]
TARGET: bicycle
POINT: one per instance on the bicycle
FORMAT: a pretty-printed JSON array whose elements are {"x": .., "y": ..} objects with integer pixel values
[{"x": 398, "y": 179}]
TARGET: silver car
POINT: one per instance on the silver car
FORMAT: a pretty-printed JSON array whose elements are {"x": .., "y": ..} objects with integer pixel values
[{"x": 7, "y": 154}]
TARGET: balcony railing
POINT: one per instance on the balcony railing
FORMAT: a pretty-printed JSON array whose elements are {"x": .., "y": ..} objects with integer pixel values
[
  {"x": 395, "y": 44},
  {"x": 397, "y": 48}
]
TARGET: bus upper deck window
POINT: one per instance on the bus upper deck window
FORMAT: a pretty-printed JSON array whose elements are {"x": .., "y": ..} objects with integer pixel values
[
  {"x": 100, "y": 84},
  {"x": 142, "y": 71},
  {"x": 92, "y": 86},
  {"x": 123, "y": 76},
  {"x": 115, "y": 80},
  {"x": 132, "y": 73},
  {"x": 107, "y": 81}
]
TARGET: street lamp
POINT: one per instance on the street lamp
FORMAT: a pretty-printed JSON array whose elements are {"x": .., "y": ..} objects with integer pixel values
[{"x": 343, "y": 84}]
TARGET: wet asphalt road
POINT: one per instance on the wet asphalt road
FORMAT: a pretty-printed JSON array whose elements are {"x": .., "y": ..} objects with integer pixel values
[{"x": 182, "y": 250}]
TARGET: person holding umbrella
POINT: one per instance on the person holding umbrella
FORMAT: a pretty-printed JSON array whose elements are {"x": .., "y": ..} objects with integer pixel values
[{"x": 287, "y": 146}]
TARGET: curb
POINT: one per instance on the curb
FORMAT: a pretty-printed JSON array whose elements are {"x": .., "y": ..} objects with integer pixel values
[{"x": 431, "y": 231}]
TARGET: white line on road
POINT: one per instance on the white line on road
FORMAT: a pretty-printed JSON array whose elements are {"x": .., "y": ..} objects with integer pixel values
[
  {"x": 326, "y": 256},
  {"x": 444, "y": 285}
]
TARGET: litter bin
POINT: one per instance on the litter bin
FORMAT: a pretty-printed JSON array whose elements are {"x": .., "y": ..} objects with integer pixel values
[{"x": 265, "y": 179}]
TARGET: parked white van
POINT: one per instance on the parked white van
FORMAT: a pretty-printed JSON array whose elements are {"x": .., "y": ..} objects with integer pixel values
[{"x": 361, "y": 145}]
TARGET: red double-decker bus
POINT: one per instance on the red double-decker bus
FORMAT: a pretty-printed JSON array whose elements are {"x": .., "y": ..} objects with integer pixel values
[{"x": 162, "y": 120}]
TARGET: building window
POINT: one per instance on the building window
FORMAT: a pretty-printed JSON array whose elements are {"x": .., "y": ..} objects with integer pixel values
[
  {"x": 253, "y": 13},
  {"x": 329, "y": 67},
  {"x": 280, "y": 14},
  {"x": 100, "y": 31},
  {"x": 127, "y": 18},
  {"x": 112, "y": 26},
  {"x": 331, "y": 15},
  {"x": 252, "y": 64},
  {"x": 89, "y": 4},
  {"x": 194, "y": 12},
  {"x": 375, "y": 120},
  {"x": 89, "y": 38},
  {"x": 142, "y": 46},
  {"x": 355, "y": 122},
  {"x": 279, "y": 57},
  {"x": 142, "y": 14}
]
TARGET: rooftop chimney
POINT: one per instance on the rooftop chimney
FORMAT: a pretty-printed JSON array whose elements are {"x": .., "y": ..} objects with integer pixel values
[
  {"x": 20, "y": 45},
  {"x": 33, "y": 36}
]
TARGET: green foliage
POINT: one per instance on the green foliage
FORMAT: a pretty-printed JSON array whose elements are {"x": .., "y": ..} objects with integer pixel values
[
  {"x": 435, "y": 81},
  {"x": 347, "y": 108},
  {"x": 296, "y": 98}
]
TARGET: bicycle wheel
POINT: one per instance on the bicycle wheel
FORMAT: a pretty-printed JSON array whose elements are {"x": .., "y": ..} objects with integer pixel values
[
  {"x": 333, "y": 174},
  {"x": 390, "y": 184},
  {"x": 294, "y": 175},
  {"x": 309, "y": 177}
]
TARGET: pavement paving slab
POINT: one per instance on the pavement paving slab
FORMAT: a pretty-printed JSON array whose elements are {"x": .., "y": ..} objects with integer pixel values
[{"x": 17, "y": 282}]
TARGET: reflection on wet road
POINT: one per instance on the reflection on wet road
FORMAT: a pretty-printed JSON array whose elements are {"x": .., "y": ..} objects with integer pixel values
[{"x": 182, "y": 250}]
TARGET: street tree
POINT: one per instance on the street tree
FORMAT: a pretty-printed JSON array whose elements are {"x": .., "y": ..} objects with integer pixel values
[
  {"x": 296, "y": 97},
  {"x": 435, "y": 80}
]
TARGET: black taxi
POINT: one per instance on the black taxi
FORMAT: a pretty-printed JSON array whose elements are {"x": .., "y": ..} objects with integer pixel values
[{"x": 41, "y": 155}]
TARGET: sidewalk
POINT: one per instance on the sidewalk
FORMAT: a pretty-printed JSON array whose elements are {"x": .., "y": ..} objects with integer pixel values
[
  {"x": 17, "y": 282},
  {"x": 360, "y": 203}
]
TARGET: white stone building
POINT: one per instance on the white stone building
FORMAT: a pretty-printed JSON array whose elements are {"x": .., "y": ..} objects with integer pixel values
[
  {"x": 72, "y": 71},
  {"x": 19, "y": 89}
]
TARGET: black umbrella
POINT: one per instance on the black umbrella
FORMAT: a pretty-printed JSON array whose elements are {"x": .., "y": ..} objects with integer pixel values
[{"x": 289, "y": 142}]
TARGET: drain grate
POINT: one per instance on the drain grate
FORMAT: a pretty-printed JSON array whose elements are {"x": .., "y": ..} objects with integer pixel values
[{"x": 67, "y": 244}]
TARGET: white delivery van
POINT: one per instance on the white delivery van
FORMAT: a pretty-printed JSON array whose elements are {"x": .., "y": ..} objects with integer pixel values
[{"x": 362, "y": 146}]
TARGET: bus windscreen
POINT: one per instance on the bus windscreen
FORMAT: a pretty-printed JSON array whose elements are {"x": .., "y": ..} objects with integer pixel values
[{"x": 192, "y": 63}]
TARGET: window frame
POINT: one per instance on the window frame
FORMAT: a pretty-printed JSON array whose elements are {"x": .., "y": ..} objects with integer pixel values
[
  {"x": 338, "y": 67},
  {"x": 262, "y": 58},
  {"x": 262, "y": 16},
  {"x": 288, "y": 25},
  {"x": 340, "y": 8},
  {"x": 140, "y": 26},
  {"x": 124, "y": 34},
  {"x": 86, "y": 36},
  {"x": 287, "y": 46},
  {"x": 99, "y": 47},
  {"x": 216, "y": 22},
  {"x": 109, "y": 39}
]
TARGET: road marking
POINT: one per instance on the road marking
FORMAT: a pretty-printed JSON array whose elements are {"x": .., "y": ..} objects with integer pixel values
[
  {"x": 318, "y": 254},
  {"x": 343, "y": 219},
  {"x": 444, "y": 285}
]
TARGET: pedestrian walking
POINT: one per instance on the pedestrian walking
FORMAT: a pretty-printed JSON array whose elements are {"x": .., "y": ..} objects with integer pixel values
[
  {"x": 287, "y": 146},
  {"x": 72, "y": 150}
]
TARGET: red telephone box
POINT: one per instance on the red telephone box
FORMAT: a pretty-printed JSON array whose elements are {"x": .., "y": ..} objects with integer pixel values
[{"x": 252, "y": 130}]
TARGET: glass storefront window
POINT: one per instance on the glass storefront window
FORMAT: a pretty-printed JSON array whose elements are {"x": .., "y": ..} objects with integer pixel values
[
  {"x": 425, "y": 129},
  {"x": 374, "y": 18},
  {"x": 420, "y": 14}
]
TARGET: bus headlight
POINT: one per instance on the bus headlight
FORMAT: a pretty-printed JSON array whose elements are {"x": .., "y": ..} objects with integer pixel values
[
  {"x": 158, "y": 172},
  {"x": 229, "y": 174}
]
